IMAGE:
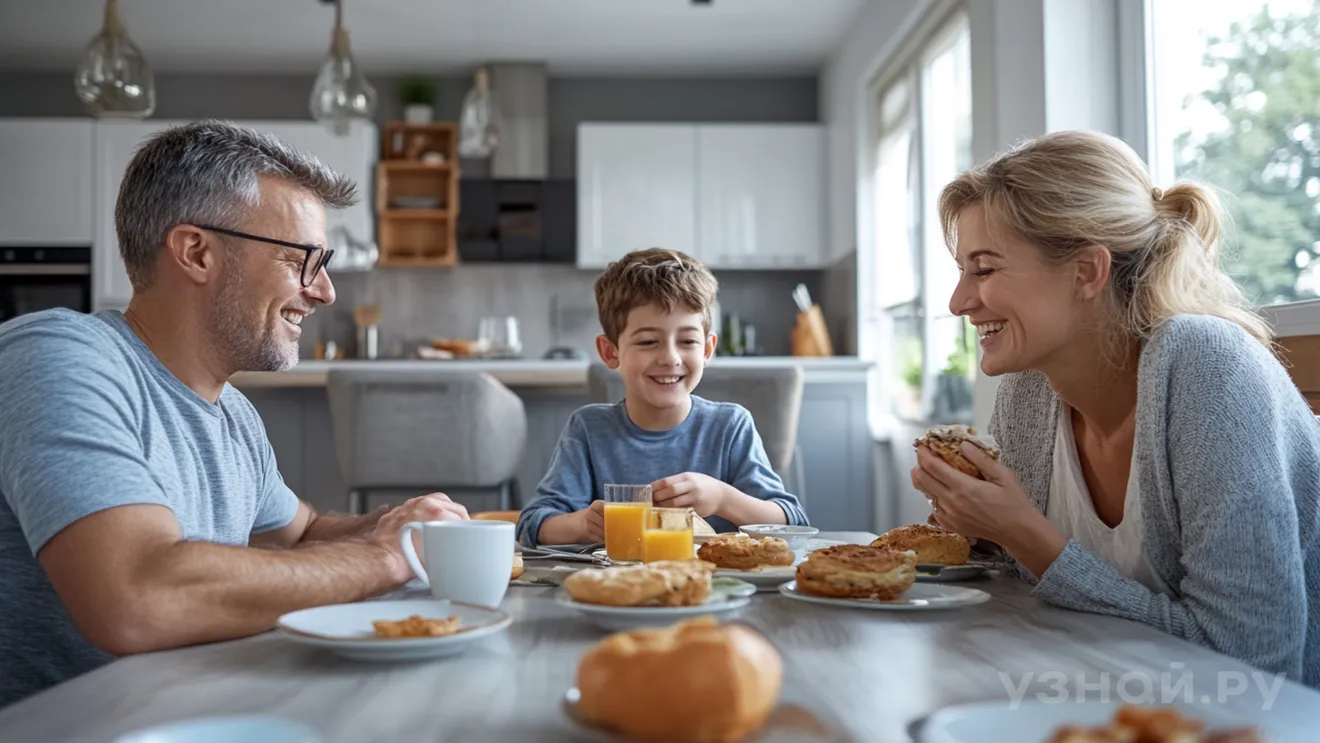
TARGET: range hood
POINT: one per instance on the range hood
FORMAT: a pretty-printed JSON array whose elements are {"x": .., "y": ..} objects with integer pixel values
[{"x": 519, "y": 90}]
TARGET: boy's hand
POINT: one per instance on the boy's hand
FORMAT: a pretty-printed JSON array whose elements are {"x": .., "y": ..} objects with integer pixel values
[
  {"x": 593, "y": 521},
  {"x": 702, "y": 493}
]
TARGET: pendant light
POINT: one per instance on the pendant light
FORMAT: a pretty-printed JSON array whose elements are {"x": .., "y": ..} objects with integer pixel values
[
  {"x": 479, "y": 120},
  {"x": 341, "y": 92},
  {"x": 113, "y": 78}
]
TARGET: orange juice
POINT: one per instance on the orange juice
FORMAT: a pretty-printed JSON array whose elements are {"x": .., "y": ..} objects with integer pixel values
[
  {"x": 624, "y": 524},
  {"x": 667, "y": 544}
]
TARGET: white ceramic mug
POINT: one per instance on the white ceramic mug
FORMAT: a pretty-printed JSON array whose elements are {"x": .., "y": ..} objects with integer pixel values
[{"x": 468, "y": 561}]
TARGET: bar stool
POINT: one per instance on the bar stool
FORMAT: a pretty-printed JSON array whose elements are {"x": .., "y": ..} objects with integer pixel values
[
  {"x": 426, "y": 429},
  {"x": 772, "y": 394}
]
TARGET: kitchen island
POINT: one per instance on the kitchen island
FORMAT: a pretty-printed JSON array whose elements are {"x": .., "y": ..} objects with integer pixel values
[{"x": 838, "y": 479}]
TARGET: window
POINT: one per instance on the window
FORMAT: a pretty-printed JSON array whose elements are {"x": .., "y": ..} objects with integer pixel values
[
  {"x": 923, "y": 140},
  {"x": 1233, "y": 102}
]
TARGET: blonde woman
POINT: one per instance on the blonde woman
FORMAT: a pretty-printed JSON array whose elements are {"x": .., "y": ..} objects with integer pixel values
[{"x": 1158, "y": 463}]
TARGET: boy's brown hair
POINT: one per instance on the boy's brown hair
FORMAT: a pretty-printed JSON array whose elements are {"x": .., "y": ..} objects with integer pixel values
[{"x": 668, "y": 278}]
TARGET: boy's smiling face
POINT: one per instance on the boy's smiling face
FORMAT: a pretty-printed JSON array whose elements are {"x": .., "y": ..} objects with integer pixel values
[{"x": 660, "y": 356}]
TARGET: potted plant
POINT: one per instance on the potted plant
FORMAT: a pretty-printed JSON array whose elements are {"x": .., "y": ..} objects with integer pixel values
[{"x": 418, "y": 96}]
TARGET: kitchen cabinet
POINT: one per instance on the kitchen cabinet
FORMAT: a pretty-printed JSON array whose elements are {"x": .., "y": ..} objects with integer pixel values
[
  {"x": 735, "y": 196},
  {"x": 637, "y": 188},
  {"x": 117, "y": 141},
  {"x": 761, "y": 196},
  {"x": 46, "y": 186}
]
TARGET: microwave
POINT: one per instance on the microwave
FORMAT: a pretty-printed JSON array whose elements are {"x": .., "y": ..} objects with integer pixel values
[{"x": 35, "y": 278}]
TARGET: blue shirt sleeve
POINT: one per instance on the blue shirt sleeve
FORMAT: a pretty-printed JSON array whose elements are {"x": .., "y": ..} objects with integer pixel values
[
  {"x": 68, "y": 430},
  {"x": 567, "y": 485},
  {"x": 751, "y": 471}
]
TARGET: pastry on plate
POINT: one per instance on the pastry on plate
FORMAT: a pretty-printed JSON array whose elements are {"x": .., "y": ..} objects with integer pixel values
[
  {"x": 933, "y": 545},
  {"x": 946, "y": 443},
  {"x": 697, "y": 681},
  {"x": 854, "y": 571},
  {"x": 416, "y": 626},
  {"x": 517, "y": 566},
  {"x": 741, "y": 552},
  {"x": 663, "y": 583},
  {"x": 1135, "y": 724}
]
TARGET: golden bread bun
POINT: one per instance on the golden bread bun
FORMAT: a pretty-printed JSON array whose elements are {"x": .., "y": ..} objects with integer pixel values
[
  {"x": 517, "y": 566},
  {"x": 741, "y": 552},
  {"x": 663, "y": 583},
  {"x": 854, "y": 571},
  {"x": 933, "y": 545},
  {"x": 696, "y": 681},
  {"x": 946, "y": 443}
]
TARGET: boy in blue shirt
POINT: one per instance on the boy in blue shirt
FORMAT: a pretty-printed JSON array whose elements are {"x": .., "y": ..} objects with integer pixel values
[{"x": 655, "y": 308}]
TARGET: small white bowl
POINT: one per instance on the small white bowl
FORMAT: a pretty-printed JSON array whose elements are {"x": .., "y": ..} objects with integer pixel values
[{"x": 796, "y": 536}]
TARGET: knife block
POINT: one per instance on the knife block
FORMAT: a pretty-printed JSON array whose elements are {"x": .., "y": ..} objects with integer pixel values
[{"x": 810, "y": 336}]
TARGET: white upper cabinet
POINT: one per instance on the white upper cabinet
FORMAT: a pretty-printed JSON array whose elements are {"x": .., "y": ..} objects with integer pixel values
[
  {"x": 117, "y": 141},
  {"x": 735, "y": 196},
  {"x": 761, "y": 195},
  {"x": 637, "y": 188},
  {"x": 46, "y": 182}
]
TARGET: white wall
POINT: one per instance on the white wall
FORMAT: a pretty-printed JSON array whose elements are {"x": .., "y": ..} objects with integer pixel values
[
  {"x": 876, "y": 35},
  {"x": 1039, "y": 67}
]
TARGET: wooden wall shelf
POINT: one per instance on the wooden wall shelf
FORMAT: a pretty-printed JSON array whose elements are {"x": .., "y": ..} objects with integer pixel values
[{"x": 417, "y": 202}]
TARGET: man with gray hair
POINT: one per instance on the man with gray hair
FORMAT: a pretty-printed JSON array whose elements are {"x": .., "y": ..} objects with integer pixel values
[{"x": 142, "y": 508}]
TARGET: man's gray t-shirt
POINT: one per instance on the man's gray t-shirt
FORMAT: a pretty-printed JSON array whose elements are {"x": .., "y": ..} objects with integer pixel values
[{"x": 90, "y": 420}]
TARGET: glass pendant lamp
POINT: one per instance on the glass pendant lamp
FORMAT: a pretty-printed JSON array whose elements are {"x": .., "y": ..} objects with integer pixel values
[
  {"x": 113, "y": 78},
  {"x": 341, "y": 92}
]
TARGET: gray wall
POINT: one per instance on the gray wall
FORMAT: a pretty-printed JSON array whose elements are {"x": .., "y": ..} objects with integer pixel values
[{"x": 571, "y": 100}]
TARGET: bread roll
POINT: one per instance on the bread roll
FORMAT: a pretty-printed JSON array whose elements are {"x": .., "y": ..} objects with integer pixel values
[
  {"x": 933, "y": 545},
  {"x": 946, "y": 443},
  {"x": 697, "y": 682},
  {"x": 517, "y": 566},
  {"x": 854, "y": 571}
]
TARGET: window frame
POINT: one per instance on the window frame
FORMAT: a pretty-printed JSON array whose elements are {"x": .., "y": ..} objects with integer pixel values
[{"x": 933, "y": 37}]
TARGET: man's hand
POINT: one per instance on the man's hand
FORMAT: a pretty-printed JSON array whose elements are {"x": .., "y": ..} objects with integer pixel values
[
  {"x": 702, "y": 493},
  {"x": 433, "y": 507}
]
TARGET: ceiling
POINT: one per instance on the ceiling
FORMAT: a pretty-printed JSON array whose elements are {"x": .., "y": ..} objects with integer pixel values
[{"x": 574, "y": 37}]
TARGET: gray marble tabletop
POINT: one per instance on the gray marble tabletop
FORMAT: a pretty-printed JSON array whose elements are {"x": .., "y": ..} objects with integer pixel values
[{"x": 863, "y": 675}]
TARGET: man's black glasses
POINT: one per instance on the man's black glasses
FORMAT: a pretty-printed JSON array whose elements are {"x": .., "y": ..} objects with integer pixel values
[{"x": 322, "y": 255}]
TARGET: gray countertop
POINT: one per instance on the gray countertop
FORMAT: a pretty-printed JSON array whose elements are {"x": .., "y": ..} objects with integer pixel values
[
  {"x": 540, "y": 372},
  {"x": 863, "y": 675}
]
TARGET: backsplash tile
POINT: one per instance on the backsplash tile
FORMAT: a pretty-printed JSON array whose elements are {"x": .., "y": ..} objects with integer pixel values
[{"x": 420, "y": 304}]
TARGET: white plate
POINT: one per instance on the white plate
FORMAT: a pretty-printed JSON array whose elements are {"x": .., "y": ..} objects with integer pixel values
[
  {"x": 1034, "y": 721},
  {"x": 921, "y": 596},
  {"x": 620, "y": 618},
  {"x": 346, "y": 629},
  {"x": 766, "y": 579},
  {"x": 225, "y": 729}
]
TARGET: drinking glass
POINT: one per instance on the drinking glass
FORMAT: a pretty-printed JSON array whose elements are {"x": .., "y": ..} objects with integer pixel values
[
  {"x": 626, "y": 511},
  {"x": 668, "y": 535}
]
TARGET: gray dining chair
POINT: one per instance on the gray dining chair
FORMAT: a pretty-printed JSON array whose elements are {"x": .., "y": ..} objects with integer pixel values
[
  {"x": 772, "y": 394},
  {"x": 435, "y": 429}
]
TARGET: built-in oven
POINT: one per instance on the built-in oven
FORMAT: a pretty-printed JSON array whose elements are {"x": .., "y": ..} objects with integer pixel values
[{"x": 36, "y": 278}]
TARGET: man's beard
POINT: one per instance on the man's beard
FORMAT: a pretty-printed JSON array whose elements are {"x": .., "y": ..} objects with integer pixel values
[{"x": 245, "y": 343}]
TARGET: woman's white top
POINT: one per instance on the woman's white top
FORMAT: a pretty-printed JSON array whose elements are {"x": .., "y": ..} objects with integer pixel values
[{"x": 1072, "y": 512}]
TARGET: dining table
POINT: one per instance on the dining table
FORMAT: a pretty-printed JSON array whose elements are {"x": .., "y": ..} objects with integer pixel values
[{"x": 852, "y": 674}]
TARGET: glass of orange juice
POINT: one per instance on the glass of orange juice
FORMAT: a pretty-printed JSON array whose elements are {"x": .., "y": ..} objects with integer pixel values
[
  {"x": 626, "y": 510},
  {"x": 668, "y": 535}
]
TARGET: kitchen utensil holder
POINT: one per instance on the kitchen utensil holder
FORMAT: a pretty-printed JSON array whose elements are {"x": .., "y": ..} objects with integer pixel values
[{"x": 810, "y": 336}]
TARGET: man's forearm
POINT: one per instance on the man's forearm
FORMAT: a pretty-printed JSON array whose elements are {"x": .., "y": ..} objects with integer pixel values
[
  {"x": 566, "y": 528},
  {"x": 332, "y": 526},
  {"x": 199, "y": 592}
]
